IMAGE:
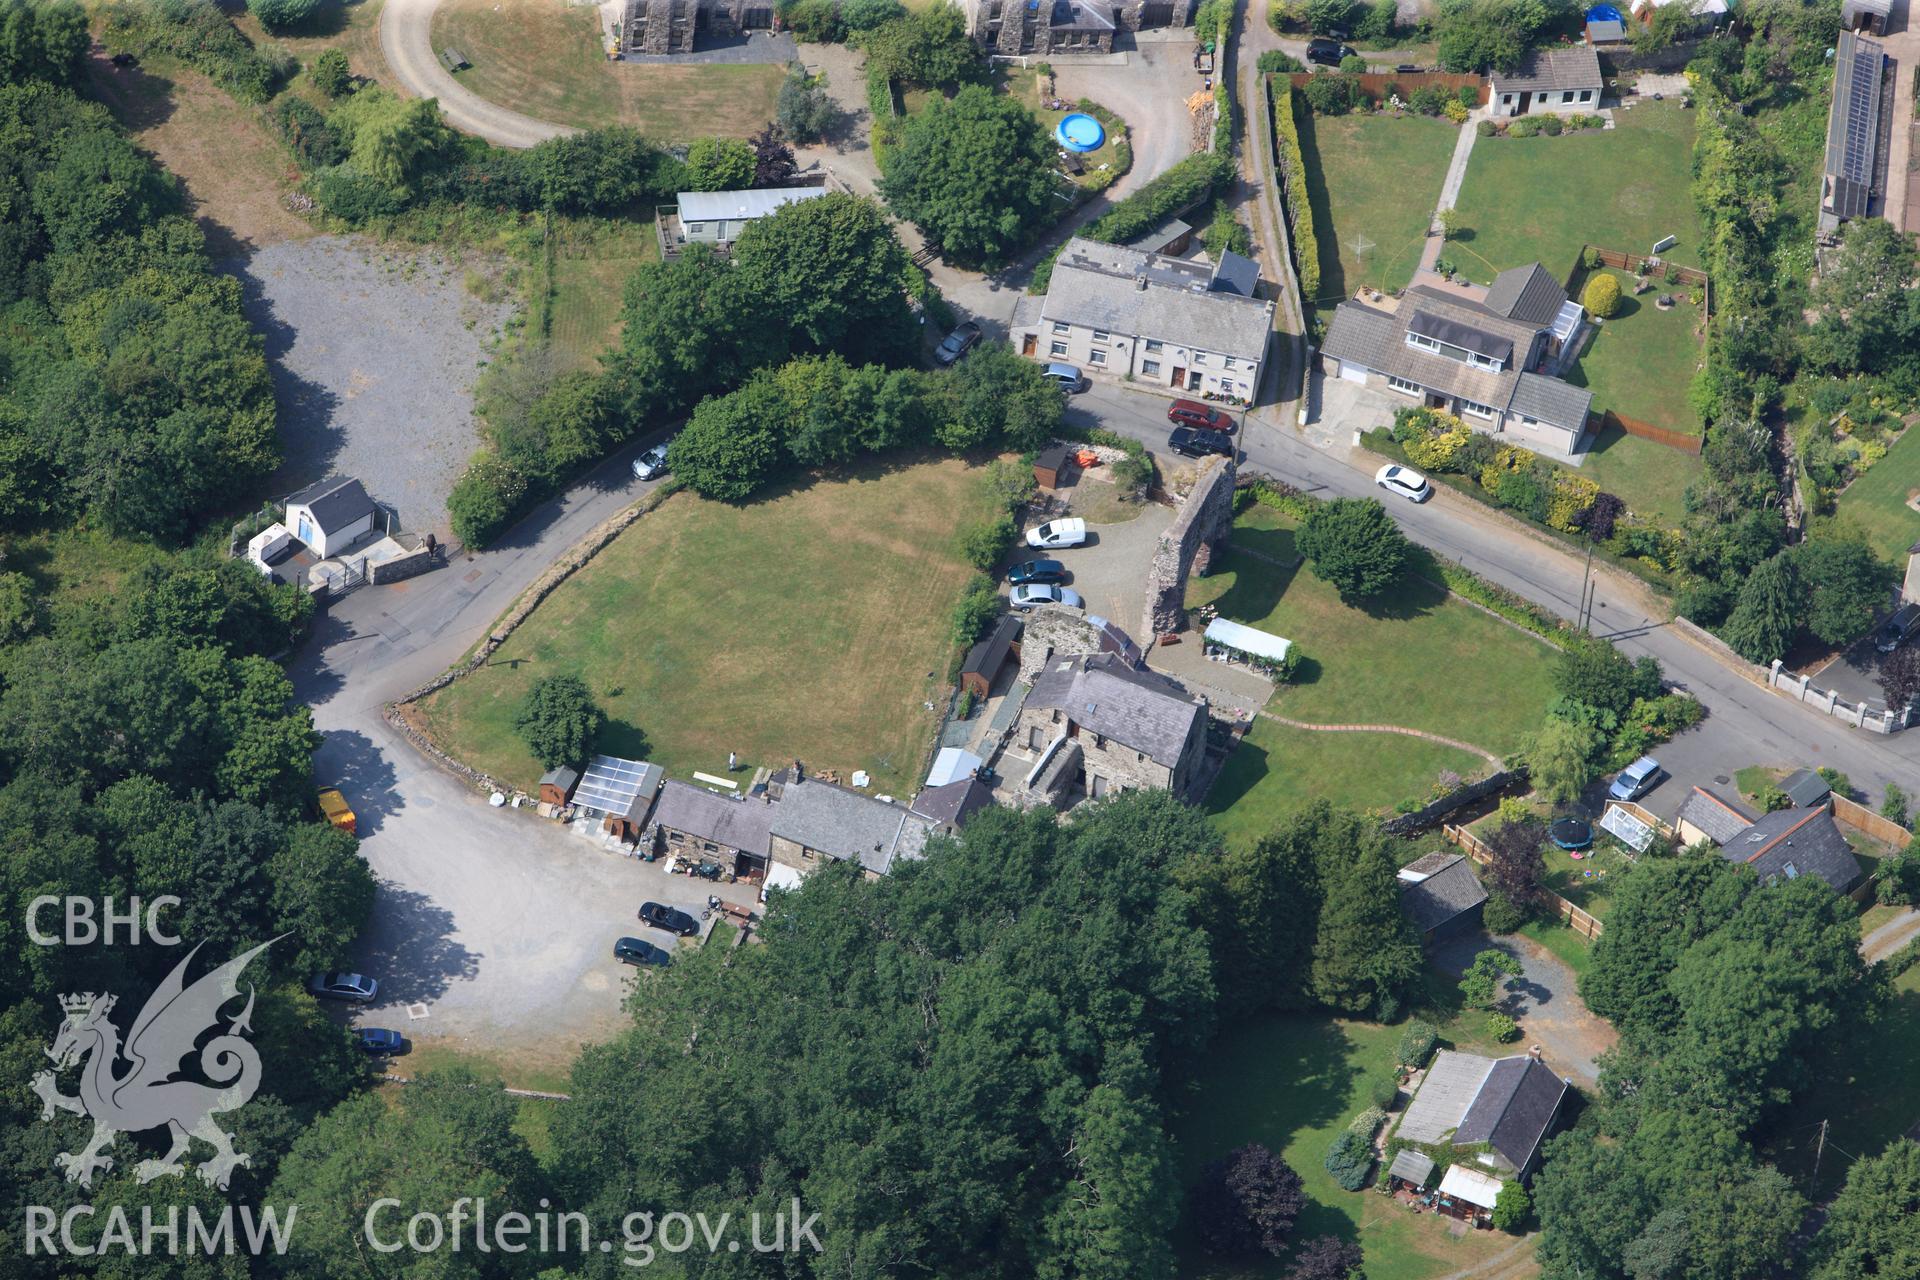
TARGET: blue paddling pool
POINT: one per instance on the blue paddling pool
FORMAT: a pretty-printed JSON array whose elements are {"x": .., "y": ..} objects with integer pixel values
[{"x": 1079, "y": 131}]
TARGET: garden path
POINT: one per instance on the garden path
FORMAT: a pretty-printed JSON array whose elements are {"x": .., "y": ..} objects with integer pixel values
[
  {"x": 1891, "y": 936},
  {"x": 1482, "y": 752}
]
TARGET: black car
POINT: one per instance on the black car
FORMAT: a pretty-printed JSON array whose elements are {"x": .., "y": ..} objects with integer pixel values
[
  {"x": 639, "y": 951},
  {"x": 379, "y": 1040},
  {"x": 1328, "y": 53},
  {"x": 1191, "y": 443},
  {"x": 1037, "y": 571},
  {"x": 1898, "y": 629},
  {"x": 661, "y": 916}
]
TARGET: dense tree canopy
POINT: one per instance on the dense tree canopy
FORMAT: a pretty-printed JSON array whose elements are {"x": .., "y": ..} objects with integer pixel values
[
  {"x": 1873, "y": 1225},
  {"x": 974, "y": 173},
  {"x": 558, "y": 721},
  {"x": 1355, "y": 545}
]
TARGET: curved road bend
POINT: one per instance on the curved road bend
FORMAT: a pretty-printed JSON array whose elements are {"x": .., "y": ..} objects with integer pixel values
[{"x": 406, "y": 39}]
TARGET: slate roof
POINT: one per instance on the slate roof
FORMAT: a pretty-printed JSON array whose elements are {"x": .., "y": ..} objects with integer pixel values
[
  {"x": 1235, "y": 274},
  {"x": 1449, "y": 892},
  {"x": 733, "y": 821},
  {"x": 335, "y": 502},
  {"x": 1527, "y": 294},
  {"x": 953, "y": 803},
  {"x": 1550, "y": 400},
  {"x": 1513, "y": 1110},
  {"x": 845, "y": 824},
  {"x": 1552, "y": 70},
  {"x": 1606, "y": 31},
  {"x": 1105, "y": 696},
  {"x": 1098, "y": 286},
  {"x": 1428, "y": 864},
  {"x": 1458, "y": 333},
  {"x": 1080, "y": 15},
  {"x": 1806, "y": 788},
  {"x": 1164, "y": 234},
  {"x": 1720, "y": 819},
  {"x": 561, "y": 777},
  {"x": 1790, "y": 843},
  {"x": 734, "y": 206}
]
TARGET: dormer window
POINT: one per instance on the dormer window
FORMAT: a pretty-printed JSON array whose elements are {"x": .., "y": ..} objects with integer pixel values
[
  {"x": 1423, "y": 342},
  {"x": 1485, "y": 362}
]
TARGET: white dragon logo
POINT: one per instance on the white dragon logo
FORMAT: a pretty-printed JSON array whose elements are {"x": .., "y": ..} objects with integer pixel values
[{"x": 147, "y": 1095}]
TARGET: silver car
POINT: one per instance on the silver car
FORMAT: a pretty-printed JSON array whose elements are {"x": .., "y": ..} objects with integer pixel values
[
  {"x": 1029, "y": 595},
  {"x": 652, "y": 464}
]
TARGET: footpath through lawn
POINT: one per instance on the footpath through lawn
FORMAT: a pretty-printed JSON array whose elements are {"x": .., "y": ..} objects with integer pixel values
[
  {"x": 1418, "y": 659},
  {"x": 812, "y": 623}
]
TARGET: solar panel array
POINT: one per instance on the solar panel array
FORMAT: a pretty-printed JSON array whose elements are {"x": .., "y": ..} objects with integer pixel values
[{"x": 1862, "y": 115}]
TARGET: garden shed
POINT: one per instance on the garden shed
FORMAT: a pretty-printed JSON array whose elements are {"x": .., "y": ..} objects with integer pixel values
[
  {"x": 1410, "y": 1169},
  {"x": 1251, "y": 642},
  {"x": 556, "y": 785},
  {"x": 1050, "y": 467},
  {"x": 985, "y": 659}
]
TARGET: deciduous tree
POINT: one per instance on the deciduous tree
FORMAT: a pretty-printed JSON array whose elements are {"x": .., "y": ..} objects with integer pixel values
[
  {"x": 1246, "y": 1203},
  {"x": 1353, "y": 544},
  {"x": 974, "y": 173},
  {"x": 559, "y": 720}
]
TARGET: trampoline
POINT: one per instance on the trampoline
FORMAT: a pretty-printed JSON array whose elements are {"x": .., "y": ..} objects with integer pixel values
[
  {"x": 1605, "y": 13},
  {"x": 1571, "y": 833},
  {"x": 1078, "y": 131}
]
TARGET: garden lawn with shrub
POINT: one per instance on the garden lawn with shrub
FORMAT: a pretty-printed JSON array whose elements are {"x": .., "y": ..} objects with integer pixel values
[
  {"x": 1293, "y": 1083},
  {"x": 801, "y": 624},
  {"x": 1584, "y": 883},
  {"x": 1372, "y": 178},
  {"x": 545, "y": 59},
  {"x": 1115, "y": 151},
  {"x": 1539, "y": 199},
  {"x": 1650, "y": 477},
  {"x": 1877, "y": 501},
  {"x": 1640, "y": 363}
]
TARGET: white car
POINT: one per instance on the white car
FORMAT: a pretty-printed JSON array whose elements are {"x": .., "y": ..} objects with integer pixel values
[
  {"x": 1404, "y": 481},
  {"x": 1058, "y": 533},
  {"x": 652, "y": 464},
  {"x": 1029, "y": 595}
]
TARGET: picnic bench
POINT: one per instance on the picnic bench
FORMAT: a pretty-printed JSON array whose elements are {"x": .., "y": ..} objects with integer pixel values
[{"x": 454, "y": 60}]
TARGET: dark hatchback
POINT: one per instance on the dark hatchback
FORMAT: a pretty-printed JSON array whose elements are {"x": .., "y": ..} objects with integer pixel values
[
  {"x": 1191, "y": 443},
  {"x": 640, "y": 951},
  {"x": 661, "y": 916},
  {"x": 1328, "y": 53},
  {"x": 1050, "y": 572}
]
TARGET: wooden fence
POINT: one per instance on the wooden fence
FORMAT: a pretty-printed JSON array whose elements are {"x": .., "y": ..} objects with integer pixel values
[
  {"x": 1378, "y": 85},
  {"x": 1864, "y": 820},
  {"x": 1647, "y": 431},
  {"x": 1662, "y": 269},
  {"x": 1573, "y": 917}
]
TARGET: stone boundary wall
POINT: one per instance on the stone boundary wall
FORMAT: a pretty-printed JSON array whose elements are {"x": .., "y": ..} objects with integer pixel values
[
  {"x": 411, "y": 565},
  {"x": 1798, "y": 688},
  {"x": 543, "y": 586},
  {"x": 1203, "y": 525},
  {"x": 1459, "y": 797}
]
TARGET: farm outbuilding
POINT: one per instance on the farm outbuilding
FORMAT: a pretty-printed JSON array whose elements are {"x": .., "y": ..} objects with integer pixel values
[
  {"x": 332, "y": 515},
  {"x": 985, "y": 660}
]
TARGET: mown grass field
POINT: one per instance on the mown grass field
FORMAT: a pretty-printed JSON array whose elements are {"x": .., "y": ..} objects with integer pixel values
[
  {"x": 1641, "y": 362},
  {"x": 1293, "y": 1083},
  {"x": 1420, "y": 660},
  {"x": 1539, "y": 199},
  {"x": 1372, "y": 179},
  {"x": 544, "y": 58},
  {"x": 812, "y": 623},
  {"x": 1877, "y": 501},
  {"x": 590, "y": 271},
  {"x": 1649, "y": 476}
]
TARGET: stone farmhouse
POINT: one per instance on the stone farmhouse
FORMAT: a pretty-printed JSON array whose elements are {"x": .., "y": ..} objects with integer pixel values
[
  {"x": 675, "y": 26},
  {"x": 1492, "y": 1113},
  {"x": 1098, "y": 724},
  {"x": 1168, "y": 322},
  {"x": 1066, "y": 26},
  {"x": 1492, "y": 356}
]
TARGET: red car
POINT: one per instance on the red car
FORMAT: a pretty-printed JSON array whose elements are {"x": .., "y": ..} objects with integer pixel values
[{"x": 1191, "y": 413}]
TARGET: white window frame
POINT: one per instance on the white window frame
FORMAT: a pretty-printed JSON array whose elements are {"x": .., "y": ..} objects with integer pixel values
[
  {"x": 1479, "y": 361},
  {"x": 1228, "y": 362},
  {"x": 1096, "y": 356},
  {"x": 696, "y": 228},
  {"x": 1153, "y": 344},
  {"x": 1057, "y": 348},
  {"x": 1473, "y": 409},
  {"x": 1404, "y": 387},
  {"x": 1423, "y": 342},
  {"x": 1199, "y": 357},
  {"x": 1566, "y": 96},
  {"x": 1061, "y": 326},
  {"x": 1586, "y": 95},
  {"x": 1101, "y": 335}
]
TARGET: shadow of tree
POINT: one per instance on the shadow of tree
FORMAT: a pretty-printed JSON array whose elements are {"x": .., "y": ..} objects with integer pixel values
[{"x": 409, "y": 946}]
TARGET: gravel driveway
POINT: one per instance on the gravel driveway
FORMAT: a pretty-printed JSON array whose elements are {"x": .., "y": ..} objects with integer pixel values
[
  {"x": 374, "y": 355},
  {"x": 1544, "y": 998}
]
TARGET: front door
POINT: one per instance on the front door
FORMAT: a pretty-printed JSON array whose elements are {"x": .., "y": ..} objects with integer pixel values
[
  {"x": 1193, "y": 379},
  {"x": 1435, "y": 400},
  {"x": 1526, "y": 100},
  {"x": 1179, "y": 377},
  {"x": 1029, "y": 343}
]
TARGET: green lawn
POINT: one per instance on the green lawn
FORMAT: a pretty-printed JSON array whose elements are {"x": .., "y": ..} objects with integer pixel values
[
  {"x": 1863, "y": 1085},
  {"x": 543, "y": 58},
  {"x": 1651, "y": 478},
  {"x": 1539, "y": 199},
  {"x": 1116, "y": 151},
  {"x": 1372, "y": 179},
  {"x": 590, "y": 271},
  {"x": 1584, "y": 883},
  {"x": 1293, "y": 1083},
  {"x": 1572, "y": 950},
  {"x": 1418, "y": 659},
  {"x": 803, "y": 624},
  {"x": 1640, "y": 362},
  {"x": 1877, "y": 501}
]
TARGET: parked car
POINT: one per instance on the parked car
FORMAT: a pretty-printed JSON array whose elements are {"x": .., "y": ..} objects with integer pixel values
[
  {"x": 1404, "y": 481},
  {"x": 1328, "y": 53},
  {"x": 639, "y": 951},
  {"x": 1190, "y": 443},
  {"x": 337, "y": 811},
  {"x": 378, "y": 1040},
  {"x": 1070, "y": 532},
  {"x": 1899, "y": 629},
  {"x": 1037, "y": 571},
  {"x": 1191, "y": 413},
  {"x": 651, "y": 464},
  {"x": 1071, "y": 380},
  {"x": 661, "y": 916},
  {"x": 1033, "y": 594},
  {"x": 1636, "y": 779},
  {"x": 957, "y": 343},
  {"x": 344, "y": 986}
]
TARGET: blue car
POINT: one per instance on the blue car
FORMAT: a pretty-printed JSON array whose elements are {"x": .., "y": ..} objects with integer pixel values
[
  {"x": 1636, "y": 779},
  {"x": 1037, "y": 571},
  {"x": 379, "y": 1040}
]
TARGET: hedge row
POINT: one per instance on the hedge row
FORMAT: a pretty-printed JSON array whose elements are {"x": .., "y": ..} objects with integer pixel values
[
  {"x": 1222, "y": 15},
  {"x": 200, "y": 35},
  {"x": 1293, "y": 188},
  {"x": 1181, "y": 187}
]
